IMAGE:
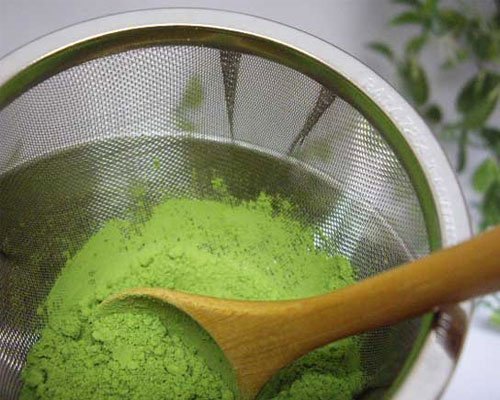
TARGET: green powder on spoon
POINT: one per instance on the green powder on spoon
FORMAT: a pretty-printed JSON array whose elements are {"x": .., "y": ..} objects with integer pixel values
[{"x": 241, "y": 250}]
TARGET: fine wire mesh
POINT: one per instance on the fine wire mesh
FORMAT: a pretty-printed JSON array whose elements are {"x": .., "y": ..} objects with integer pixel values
[{"x": 75, "y": 147}]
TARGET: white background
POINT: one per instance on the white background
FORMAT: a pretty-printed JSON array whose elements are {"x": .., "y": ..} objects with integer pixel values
[{"x": 349, "y": 24}]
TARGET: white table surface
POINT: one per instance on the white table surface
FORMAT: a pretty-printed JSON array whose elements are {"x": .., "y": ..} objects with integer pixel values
[{"x": 349, "y": 24}]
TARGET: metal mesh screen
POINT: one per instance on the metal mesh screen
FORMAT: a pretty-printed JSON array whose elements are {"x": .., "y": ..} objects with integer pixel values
[{"x": 73, "y": 147}]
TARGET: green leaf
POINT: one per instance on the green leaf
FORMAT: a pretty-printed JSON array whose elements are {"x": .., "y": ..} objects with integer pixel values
[
  {"x": 382, "y": 48},
  {"x": 433, "y": 114},
  {"x": 479, "y": 114},
  {"x": 470, "y": 93},
  {"x": 492, "y": 138},
  {"x": 415, "y": 80},
  {"x": 490, "y": 206},
  {"x": 462, "y": 150},
  {"x": 415, "y": 44},
  {"x": 484, "y": 41},
  {"x": 414, "y": 3},
  {"x": 485, "y": 47},
  {"x": 478, "y": 98},
  {"x": 430, "y": 6},
  {"x": 485, "y": 175},
  {"x": 452, "y": 20},
  {"x": 408, "y": 17}
]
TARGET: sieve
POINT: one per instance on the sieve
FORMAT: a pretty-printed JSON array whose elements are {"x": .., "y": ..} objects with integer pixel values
[{"x": 131, "y": 107}]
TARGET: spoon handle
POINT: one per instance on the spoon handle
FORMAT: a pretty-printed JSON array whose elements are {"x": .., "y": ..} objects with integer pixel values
[{"x": 447, "y": 276}]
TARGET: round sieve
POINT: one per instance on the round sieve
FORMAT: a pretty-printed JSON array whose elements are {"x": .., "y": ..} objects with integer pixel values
[{"x": 164, "y": 99}]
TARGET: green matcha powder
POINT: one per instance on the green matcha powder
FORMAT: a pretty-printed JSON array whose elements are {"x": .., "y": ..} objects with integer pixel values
[{"x": 247, "y": 250}]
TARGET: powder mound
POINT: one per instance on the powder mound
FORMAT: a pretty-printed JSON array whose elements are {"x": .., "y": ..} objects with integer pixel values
[
  {"x": 227, "y": 249},
  {"x": 120, "y": 356}
]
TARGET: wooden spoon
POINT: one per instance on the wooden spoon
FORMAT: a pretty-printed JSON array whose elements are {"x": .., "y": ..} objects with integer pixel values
[{"x": 261, "y": 337}]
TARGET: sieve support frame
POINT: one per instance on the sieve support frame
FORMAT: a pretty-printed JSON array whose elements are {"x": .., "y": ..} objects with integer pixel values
[{"x": 417, "y": 148}]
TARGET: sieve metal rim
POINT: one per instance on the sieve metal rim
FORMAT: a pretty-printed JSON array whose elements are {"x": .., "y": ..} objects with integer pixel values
[{"x": 401, "y": 126}]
